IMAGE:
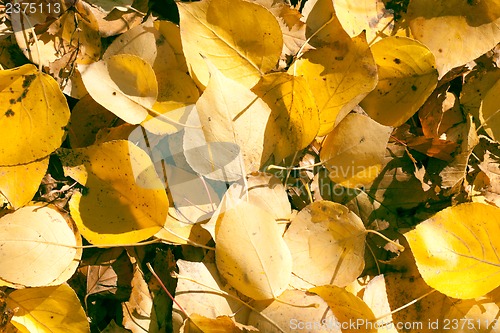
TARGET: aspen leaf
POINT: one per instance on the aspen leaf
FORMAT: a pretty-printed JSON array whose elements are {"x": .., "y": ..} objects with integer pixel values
[
  {"x": 297, "y": 317},
  {"x": 172, "y": 34},
  {"x": 233, "y": 139},
  {"x": 48, "y": 310},
  {"x": 327, "y": 243},
  {"x": 338, "y": 77},
  {"x": 455, "y": 252},
  {"x": 127, "y": 85},
  {"x": 242, "y": 39},
  {"x": 349, "y": 309},
  {"x": 353, "y": 153},
  {"x": 455, "y": 31},
  {"x": 294, "y": 111},
  {"x": 490, "y": 112},
  {"x": 33, "y": 115},
  {"x": 250, "y": 253},
  {"x": 126, "y": 201},
  {"x": 20, "y": 183},
  {"x": 35, "y": 247},
  {"x": 406, "y": 77}
]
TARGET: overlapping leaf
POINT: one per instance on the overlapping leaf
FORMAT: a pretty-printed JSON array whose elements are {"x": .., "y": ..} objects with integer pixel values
[{"x": 125, "y": 201}]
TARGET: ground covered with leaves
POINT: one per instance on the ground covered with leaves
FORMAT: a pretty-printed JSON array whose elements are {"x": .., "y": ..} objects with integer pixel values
[{"x": 233, "y": 166}]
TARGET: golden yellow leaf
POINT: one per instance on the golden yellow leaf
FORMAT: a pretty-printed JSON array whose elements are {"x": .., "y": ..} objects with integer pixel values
[
  {"x": 20, "y": 183},
  {"x": 36, "y": 247},
  {"x": 125, "y": 201},
  {"x": 406, "y": 77},
  {"x": 322, "y": 25},
  {"x": 232, "y": 137},
  {"x": 317, "y": 319},
  {"x": 242, "y": 39},
  {"x": 33, "y": 115},
  {"x": 368, "y": 15},
  {"x": 354, "y": 152},
  {"x": 126, "y": 86},
  {"x": 172, "y": 35},
  {"x": 294, "y": 112},
  {"x": 250, "y": 252},
  {"x": 352, "y": 313},
  {"x": 456, "y": 250},
  {"x": 48, "y": 310},
  {"x": 327, "y": 242},
  {"x": 87, "y": 118},
  {"x": 455, "y": 31},
  {"x": 339, "y": 78}
]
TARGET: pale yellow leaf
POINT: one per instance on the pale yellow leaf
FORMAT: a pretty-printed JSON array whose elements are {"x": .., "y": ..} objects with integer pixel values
[
  {"x": 250, "y": 252},
  {"x": 406, "y": 77},
  {"x": 33, "y": 115},
  {"x": 242, "y": 39},
  {"x": 48, "y": 310},
  {"x": 36, "y": 247},
  {"x": 232, "y": 138},
  {"x": 456, "y": 250},
  {"x": 339, "y": 78},
  {"x": 455, "y": 31},
  {"x": 354, "y": 152},
  {"x": 126, "y": 201},
  {"x": 294, "y": 112},
  {"x": 124, "y": 84},
  {"x": 327, "y": 242},
  {"x": 200, "y": 324},
  {"x": 195, "y": 298},
  {"x": 21, "y": 182},
  {"x": 352, "y": 313}
]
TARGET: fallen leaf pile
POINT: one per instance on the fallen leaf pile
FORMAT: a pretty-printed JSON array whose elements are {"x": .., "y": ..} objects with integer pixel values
[{"x": 249, "y": 166}]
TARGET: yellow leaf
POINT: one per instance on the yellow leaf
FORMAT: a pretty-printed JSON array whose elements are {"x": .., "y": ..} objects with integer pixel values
[
  {"x": 233, "y": 136},
  {"x": 352, "y": 313},
  {"x": 124, "y": 84},
  {"x": 200, "y": 324},
  {"x": 456, "y": 250},
  {"x": 33, "y": 115},
  {"x": 294, "y": 111},
  {"x": 322, "y": 25},
  {"x": 243, "y": 40},
  {"x": 48, "y": 310},
  {"x": 354, "y": 152},
  {"x": 406, "y": 77},
  {"x": 21, "y": 182},
  {"x": 338, "y": 77},
  {"x": 126, "y": 201},
  {"x": 172, "y": 34},
  {"x": 250, "y": 252},
  {"x": 317, "y": 319},
  {"x": 36, "y": 247},
  {"x": 87, "y": 118},
  {"x": 455, "y": 31},
  {"x": 327, "y": 242},
  {"x": 490, "y": 112},
  {"x": 368, "y": 15}
]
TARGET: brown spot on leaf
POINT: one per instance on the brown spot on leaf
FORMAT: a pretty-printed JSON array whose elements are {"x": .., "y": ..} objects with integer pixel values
[
  {"x": 12, "y": 101},
  {"x": 397, "y": 61},
  {"x": 413, "y": 87},
  {"x": 28, "y": 79},
  {"x": 9, "y": 113},
  {"x": 440, "y": 50},
  {"x": 114, "y": 93}
]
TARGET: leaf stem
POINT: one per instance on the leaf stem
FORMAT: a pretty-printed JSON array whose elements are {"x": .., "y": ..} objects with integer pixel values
[
  {"x": 404, "y": 306},
  {"x": 399, "y": 246}
]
